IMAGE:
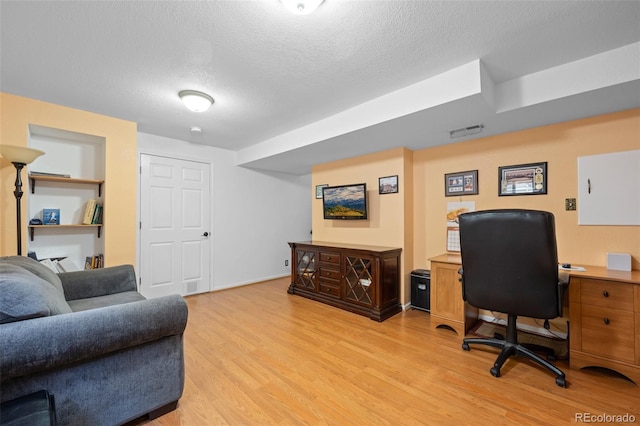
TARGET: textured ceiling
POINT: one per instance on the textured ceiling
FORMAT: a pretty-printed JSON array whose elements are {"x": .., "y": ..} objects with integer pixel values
[{"x": 272, "y": 73}]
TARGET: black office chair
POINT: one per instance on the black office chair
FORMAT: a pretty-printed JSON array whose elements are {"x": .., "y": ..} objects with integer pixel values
[{"x": 510, "y": 265}]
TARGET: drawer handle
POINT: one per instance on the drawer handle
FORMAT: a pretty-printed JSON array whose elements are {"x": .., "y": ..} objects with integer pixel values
[
  {"x": 605, "y": 293},
  {"x": 606, "y": 321}
]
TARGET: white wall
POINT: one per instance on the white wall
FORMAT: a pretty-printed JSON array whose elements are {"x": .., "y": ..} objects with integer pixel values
[{"x": 255, "y": 213}]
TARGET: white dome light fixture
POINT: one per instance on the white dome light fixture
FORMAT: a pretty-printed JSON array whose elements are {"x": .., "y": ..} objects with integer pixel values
[
  {"x": 301, "y": 7},
  {"x": 196, "y": 101}
]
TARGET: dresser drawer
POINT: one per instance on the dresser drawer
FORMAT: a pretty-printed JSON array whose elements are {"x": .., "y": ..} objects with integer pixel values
[
  {"x": 608, "y": 332},
  {"x": 329, "y": 274},
  {"x": 330, "y": 290},
  {"x": 606, "y": 294},
  {"x": 330, "y": 257}
]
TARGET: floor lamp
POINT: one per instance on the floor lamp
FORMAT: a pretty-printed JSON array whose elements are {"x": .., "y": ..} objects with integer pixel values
[{"x": 20, "y": 156}]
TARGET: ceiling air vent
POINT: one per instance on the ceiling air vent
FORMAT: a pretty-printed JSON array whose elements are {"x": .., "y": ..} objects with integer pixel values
[{"x": 466, "y": 131}]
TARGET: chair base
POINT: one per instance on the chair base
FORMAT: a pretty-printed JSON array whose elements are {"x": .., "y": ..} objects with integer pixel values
[{"x": 509, "y": 348}]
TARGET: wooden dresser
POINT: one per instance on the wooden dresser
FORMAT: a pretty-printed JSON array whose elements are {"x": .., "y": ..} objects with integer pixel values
[
  {"x": 357, "y": 278},
  {"x": 604, "y": 320}
]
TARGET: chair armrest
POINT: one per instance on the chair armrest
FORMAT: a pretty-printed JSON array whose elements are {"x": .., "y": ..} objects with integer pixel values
[
  {"x": 461, "y": 279},
  {"x": 38, "y": 344},
  {"x": 98, "y": 282}
]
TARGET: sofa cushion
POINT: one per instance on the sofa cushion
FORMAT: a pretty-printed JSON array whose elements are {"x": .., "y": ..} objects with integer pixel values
[
  {"x": 36, "y": 268},
  {"x": 106, "y": 300},
  {"x": 24, "y": 295}
]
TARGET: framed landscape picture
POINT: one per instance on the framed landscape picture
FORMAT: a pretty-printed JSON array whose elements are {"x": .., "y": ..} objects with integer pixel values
[{"x": 388, "y": 185}]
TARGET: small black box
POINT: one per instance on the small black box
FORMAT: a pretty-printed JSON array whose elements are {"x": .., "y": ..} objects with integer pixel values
[{"x": 421, "y": 289}]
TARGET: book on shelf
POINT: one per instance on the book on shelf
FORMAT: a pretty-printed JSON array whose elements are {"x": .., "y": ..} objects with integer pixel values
[
  {"x": 66, "y": 265},
  {"x": 89, "y": 210},
  {"x": 62, "y": 175},
  {"x": 97, "y": 215},
  {"x": 94, "y": 262},
  {"x": 60, "y": 264},
  {"x": 50, "y": 264}
]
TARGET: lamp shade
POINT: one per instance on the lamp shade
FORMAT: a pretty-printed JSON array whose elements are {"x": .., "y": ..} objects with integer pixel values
[
  {"x": 196, "y": 101},
  {"x": 19, "y": 154},
  {"x": 301, "y": 7}
]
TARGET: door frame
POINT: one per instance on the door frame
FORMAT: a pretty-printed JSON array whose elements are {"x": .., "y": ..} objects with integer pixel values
[{"x": 173, "y": 156}]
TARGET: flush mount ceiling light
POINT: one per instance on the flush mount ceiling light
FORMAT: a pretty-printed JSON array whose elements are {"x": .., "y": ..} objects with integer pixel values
[
  {"x": 465, "y": 131},
  {"x": 301, "y": 7},
  {"x": 196, "y": 101}
]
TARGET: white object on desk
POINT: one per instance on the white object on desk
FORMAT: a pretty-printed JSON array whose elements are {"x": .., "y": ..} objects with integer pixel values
[
  {"x": 572, "y": 268},
  {"x": 619, "y": 261}
]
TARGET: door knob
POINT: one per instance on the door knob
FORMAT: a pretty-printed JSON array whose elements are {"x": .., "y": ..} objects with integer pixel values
[{"x": 206, "y": 234}]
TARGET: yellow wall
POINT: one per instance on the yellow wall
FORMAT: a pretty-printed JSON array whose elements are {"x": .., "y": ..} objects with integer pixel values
[
  {"x": 390, "y": 215},
  {"x": 119, "y": 190},
  {"x": 421, "y": 203},
  {"x": 560, "y": 145}
]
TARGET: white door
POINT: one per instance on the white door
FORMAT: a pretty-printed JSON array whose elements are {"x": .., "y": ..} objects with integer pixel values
[{"x": 174, "y": 229}]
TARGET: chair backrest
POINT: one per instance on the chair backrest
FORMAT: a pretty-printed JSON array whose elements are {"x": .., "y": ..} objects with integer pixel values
[{"x": 510, "y": 262}]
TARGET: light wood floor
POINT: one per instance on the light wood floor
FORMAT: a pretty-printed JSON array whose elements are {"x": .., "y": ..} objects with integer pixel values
[{"x": 256, "y": 355}]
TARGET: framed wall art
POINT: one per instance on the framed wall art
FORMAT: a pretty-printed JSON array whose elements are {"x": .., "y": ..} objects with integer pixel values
[
  {"x": 461, "y": 183},
  {"x": 522, "y": 179},
  {"x": 388, "y": 185},
  {"x": 319, "y": 190},
  {"x": 51, "y": 216}
]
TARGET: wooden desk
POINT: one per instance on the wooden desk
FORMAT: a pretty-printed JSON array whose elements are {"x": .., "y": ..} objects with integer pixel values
[
  {"x": 604, "y": 314},
  {"x": 604, "y": 320},
  {"x": 447, "y": 307}
]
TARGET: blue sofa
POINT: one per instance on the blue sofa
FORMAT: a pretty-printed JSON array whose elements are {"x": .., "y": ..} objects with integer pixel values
[{"x": 106, "y": 354}]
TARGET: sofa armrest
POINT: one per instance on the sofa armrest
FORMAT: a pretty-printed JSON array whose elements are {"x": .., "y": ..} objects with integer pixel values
[
  {"x": 38, "y": 344},
  {"x": 98, "y": 282}
]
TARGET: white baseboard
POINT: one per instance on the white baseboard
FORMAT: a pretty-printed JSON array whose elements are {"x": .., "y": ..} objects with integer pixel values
[{"x": 243, "y": 283}]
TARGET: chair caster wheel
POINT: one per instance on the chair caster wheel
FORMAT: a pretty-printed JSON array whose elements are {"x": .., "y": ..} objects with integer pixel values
[
  {"x": 560, "y": 381},
  {"x": 465, "y": 346},
  {"x": 495, "y": 372}
]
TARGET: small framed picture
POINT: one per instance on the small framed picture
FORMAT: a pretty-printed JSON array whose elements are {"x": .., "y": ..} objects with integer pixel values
[
  {"x": 388, "y": 185},
  {"x": 522, "y": 179},
  {"x": 461, "y": 183},
  {"x": 51, "y": 216},
  {"x": 319, "y": 190}
]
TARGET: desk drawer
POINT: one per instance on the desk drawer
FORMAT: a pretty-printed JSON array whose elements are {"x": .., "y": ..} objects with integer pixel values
[
  {"x": 330, "y": 257},
  {"x": 608, "y": 332},
  {"x": 607, "y": 294}
]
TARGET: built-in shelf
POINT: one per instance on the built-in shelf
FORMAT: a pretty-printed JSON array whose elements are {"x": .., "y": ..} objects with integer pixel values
[
  {"x": 32, "y": 228},
  {"x": 34, "y": 178}
]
